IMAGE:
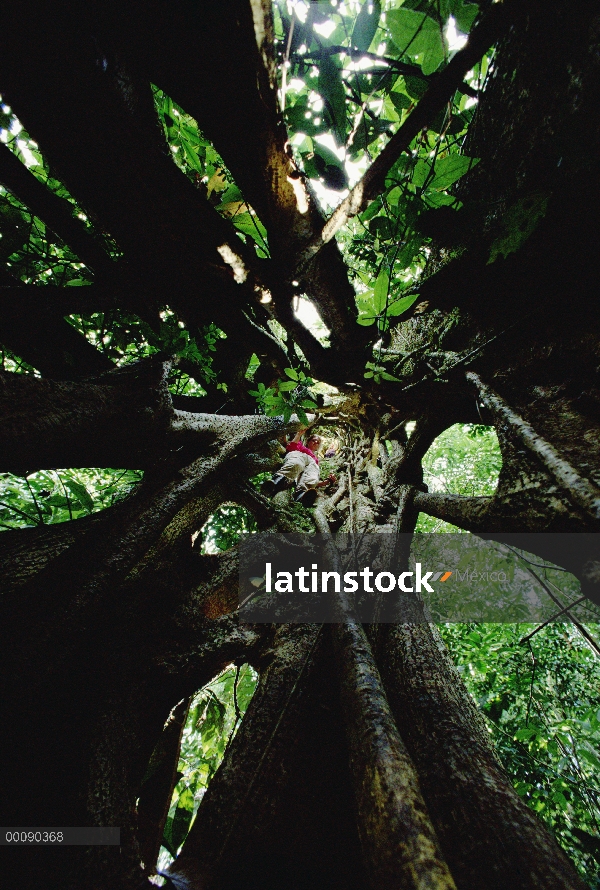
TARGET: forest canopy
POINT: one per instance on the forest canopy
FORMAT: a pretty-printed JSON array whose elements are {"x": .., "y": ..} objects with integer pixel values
[{"x": 221, "y": 224}]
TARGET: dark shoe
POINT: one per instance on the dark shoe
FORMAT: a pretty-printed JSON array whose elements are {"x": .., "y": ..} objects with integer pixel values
[
  {"x": 306, "y": 498},
  {"x": 272, "y": 486}
]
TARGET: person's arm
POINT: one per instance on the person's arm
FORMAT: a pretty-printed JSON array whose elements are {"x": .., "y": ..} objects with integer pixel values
[
  {"x": 299, "y": 434},
  {"x": 331, "y": 478}
]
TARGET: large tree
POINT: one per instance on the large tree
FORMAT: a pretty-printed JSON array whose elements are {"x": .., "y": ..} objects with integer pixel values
[{"x": 188, "y": 135}]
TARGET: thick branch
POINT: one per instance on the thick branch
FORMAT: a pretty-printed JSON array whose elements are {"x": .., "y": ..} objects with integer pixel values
[
  {"x": 399, "y": 843},
  {"x": 39, "y": 335},
  {"x": 34, "y": 298},
  {"x": 157, "y": 790},
  {"x": 54, "y": 211},
  {"x": 237, "y": 108},
  {"x": 580, "y": 490},
  {"x": 244, "y": 787},
  {"x": 463, "y": 784},
  {"x": 169, "y": 233},
  {"x": 468, "y": 513},
  {"x": 121, "y": 551},
  {"x": 121, "y": 419}
]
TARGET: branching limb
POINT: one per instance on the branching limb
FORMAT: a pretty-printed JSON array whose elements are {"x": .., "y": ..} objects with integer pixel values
[
  {"x": 581, "y": 491},
  {"x": 237, "y": 108},
  {"x": 54, "y": 211},
  {"x": 123, "y": 418},
  {"x": 157, "y": 790},
  {"x": 37, "y": 332},
  {"x": 468, "y": 513},
  {"x": 582, "y": 630}
]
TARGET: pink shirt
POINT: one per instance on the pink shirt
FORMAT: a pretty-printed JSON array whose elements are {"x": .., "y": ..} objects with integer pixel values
[{"x": 298, "y": 446}]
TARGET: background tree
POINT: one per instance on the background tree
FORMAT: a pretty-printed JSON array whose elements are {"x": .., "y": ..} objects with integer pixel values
[{"x": 183, "y": 162}]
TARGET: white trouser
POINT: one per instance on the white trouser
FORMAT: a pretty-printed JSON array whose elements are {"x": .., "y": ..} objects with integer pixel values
[{"x": 301, "y": 467}]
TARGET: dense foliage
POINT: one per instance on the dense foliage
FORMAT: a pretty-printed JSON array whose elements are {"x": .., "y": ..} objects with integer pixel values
[
  {"x": 213, "y": 717},
  {"x": 351, "y": 74},
  {"x": 539, "y": 697}
]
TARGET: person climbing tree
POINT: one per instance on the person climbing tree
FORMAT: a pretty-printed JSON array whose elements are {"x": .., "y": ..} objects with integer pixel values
[{"x": 301, "y": 466}]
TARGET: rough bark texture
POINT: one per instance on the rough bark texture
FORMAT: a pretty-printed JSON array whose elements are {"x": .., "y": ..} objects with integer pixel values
[
  {"x": 362, "y": 761},
  {"x": 489, "y": 839},
  {"x": 280, "y": 808}
]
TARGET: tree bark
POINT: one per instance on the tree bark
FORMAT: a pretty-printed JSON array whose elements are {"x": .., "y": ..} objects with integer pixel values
[
  {"x": 278, "y": 812},
  {"x": 490, "y": 838}
]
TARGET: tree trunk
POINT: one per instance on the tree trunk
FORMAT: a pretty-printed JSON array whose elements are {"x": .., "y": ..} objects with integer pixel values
[{"x": 362, "y": 760}]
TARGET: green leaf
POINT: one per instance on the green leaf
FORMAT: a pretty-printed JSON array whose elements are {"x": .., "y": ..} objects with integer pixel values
[
  {"x": 287, "y": 386},
  {"x": 231, "y": 194},
  {"x": 186, "y": 800},
  {"x": 464, "y": 14},
  {"x": 291, "y": 373},
  {"x": 590, "y": 756},
  {"x": 559, "y": 798},
  {"x": 180, "y": 826},
  {"x": 366, "y": 308},
  {"x": 372, "y": 210},
  {"x": 380, "y": 291},
  {"x": 366, "y": 25},
  {"x": 325, "y": 157},
  {"x": 440, "y": 199},
  {"x": 449, "y": 169},
  {"x": 250, "y": 225},
  {"x": 525, "y": 734},
  {"x": 394, "y": 196},
  {"x": 192, "y": 158},
  {"x": 400, "y": 101},
  {"x": 421, "y": 172},
  {"x": 331, "y": 88},
  {"x": 81, "y": 493},
  {"x": 397, "y": 307},
  {"x": 58, "y": 500},
  {"x": 366, "y": 320},
  {"x": 415, "y": 87},
  {"x": 418, "y": 36},
  {"x": 382, "y": 227}
]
